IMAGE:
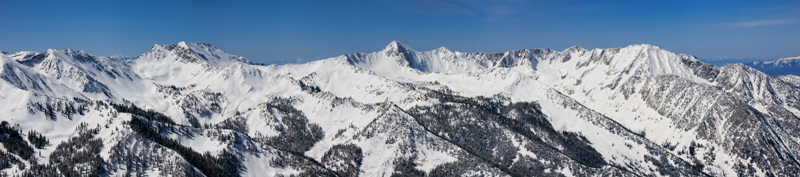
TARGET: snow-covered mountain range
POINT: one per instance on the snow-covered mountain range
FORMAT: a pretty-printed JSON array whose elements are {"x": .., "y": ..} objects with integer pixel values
[
  {"x": 190, "y": 109},
  {"x": 779, "y": 67}
]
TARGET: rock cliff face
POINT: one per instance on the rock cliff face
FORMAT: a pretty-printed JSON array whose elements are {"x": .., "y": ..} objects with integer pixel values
[{"x": 190, "y": 109}]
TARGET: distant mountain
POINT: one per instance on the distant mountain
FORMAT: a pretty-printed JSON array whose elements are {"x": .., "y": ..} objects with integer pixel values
[
  {"x": 190, "y": 109},
  {"x": 725, "y": 60},
  {"x": 120, "y": 57},
  {"x": 778, "y": 67}
]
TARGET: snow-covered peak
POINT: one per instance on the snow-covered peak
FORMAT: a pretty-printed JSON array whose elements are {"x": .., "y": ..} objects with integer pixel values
[
  {"x": 183, "y": 44},
  {"x": 644, "y": 46},
  {"x": 442, "y": 49},
  {"x": 68, "y": 55},
  {"x": 184, "y": 63},
  {"x": 396, "y": 49},
  {"x": 67, "y": 52},
  {"x": 657, "y": 60},
  {"x": 22, "y": 55},
  {"x": 396, "y": 58},
  {"x": 192, "y": 53},
  {"x": 25, "y": 78},
  {"x": 574, "y": 49},
  {"x": 648, "y": 58},
  {"x": 394, "y": 45},
  {"x": 54, "y": 61}
]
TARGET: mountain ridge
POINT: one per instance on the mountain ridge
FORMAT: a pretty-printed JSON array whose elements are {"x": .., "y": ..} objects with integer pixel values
[{"x": 633, "y": 111}]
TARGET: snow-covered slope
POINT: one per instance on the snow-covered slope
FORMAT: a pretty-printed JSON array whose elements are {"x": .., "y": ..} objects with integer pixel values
[
  {"x": 190, "y": 109},
  {"x": 648, "y": 89},
  {"x": 23, "y": 55},
  {"x": 791, "y": 79}
]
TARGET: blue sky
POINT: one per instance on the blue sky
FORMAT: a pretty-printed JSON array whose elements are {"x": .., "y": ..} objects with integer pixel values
[{"x": 295, "y": 31}]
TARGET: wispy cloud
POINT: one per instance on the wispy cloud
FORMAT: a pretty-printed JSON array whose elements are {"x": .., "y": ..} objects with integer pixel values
[
  {"x": 757, "y": 23},
  {"x": 464, "y": 5},
  {"x": 89, "y": 22},
  {"x": 489, "y": 10},
  {"x": 502, "y": 12}
]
